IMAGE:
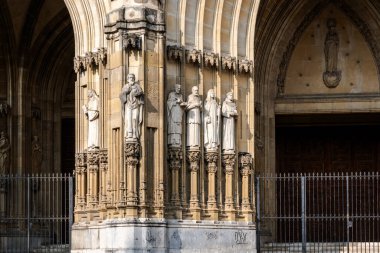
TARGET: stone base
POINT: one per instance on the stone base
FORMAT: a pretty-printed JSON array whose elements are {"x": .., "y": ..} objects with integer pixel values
[{"x": 174, "y": 236}]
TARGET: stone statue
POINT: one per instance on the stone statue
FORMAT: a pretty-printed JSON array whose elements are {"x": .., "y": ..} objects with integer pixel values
[
  {"x": 229, "y": 113},
  {"x": 175, "y": 108},
  {"x": 92, "y": 112},
  {"x": 36, "y": 155},
  {"x": 211, "y": 121},
  {"x": 193, "y": 121},
  {"x": 4, "y": 153},
  {"x": 132, "y": 99},
  {"x": 332, "y": 75}
]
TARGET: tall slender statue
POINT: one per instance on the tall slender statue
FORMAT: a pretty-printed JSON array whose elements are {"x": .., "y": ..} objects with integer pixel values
[
  {"x": 175, "y": 108},
  {"x": 37, "y": 155},
  {"x": 211, "y": 121},
  {"x": 332, "y": 76},
  {"x": 92, "y": 112},
  {"x": 4, "y": 153},
  {"x": 194, "y": 106},
  {"x": 229, "y": 112},
  {"x": 132, "y": 99}
]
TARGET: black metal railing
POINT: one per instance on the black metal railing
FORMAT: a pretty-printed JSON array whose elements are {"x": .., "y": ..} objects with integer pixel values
[
  {"x": 318, "y": 212},
  {"x": 36, "y": 213}
]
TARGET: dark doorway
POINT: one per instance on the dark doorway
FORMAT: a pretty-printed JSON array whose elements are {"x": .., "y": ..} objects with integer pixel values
[
  {"x": 339, "y": 155},
  {"x": 68, "y": 145}
]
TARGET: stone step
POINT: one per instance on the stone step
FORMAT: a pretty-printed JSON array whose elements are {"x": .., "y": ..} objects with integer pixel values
[
  {"x": 354, "y": 247},
  {"x": 58, "y": 248}
]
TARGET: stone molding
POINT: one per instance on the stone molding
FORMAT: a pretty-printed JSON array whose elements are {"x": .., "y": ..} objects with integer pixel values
[
  {"x": 91, "y": 60},
  {"x": 134, "y": 18}
]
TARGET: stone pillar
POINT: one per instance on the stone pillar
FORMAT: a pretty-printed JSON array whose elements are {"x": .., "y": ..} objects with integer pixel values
[
  {"x": 245, "y": 162},
  {"x": 80, "y": 182},
  {"x": 175, "y": 166},
  {"x": 193, "y": 157},
  {"x": 3, "y": 195},
  {"x": 132, "y": 156},
  {"x": 211, "y": 157},
  {"x": 229, "y": 162},
  {"x": 103, "y": 167},
  {"x": 92, "y": 179}
]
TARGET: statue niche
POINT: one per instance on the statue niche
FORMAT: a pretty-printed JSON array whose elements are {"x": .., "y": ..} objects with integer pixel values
[{"x": 332, "y": 76}]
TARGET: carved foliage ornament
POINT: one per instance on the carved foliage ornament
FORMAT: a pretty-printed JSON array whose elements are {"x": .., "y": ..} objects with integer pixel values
[
  {"x": 212, "y": 159},
  {"x": 103, "y": 159},
  {"x": 92, "y": 158},
  {"x": 193, "y": 157},
  {"x": 175, "y": 53},
  {"x": 245, "y": 162},
  {"x": 175, "y": 158},
  {"x": 229, "y": 162},
  {"x": 80, "y": 159},
  {"x": 90, "y": 60}
]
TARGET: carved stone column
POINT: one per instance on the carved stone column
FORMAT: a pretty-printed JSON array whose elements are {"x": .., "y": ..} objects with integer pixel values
[
  {"x": 92, "y": 179},
  {"x": 175, "y": 166},
  {"x": 3, "y": 195},
  {"x": 193, "y": 157},
  {"x": 103, "y": 166},
  {"x": 245, "y": 162},
  {"x": 80, "y": 181},
  {"x": 229, "y": 162},
  {"x": 212, "y": 160},
  {"x": 132, "y": 156}
]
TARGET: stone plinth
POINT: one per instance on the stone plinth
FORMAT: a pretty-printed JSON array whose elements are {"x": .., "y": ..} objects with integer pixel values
[{"x": 146, "y": 235}]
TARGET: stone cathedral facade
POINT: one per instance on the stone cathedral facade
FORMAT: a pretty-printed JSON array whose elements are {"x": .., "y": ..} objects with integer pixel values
[{"x": 164, "y": 110}]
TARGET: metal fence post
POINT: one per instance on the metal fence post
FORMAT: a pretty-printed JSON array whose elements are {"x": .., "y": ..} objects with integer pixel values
[
  {"x": 28, "y": 212},
  {"x": 348, "y": 214},
  {"x": 303, "y": 213},
  {"x": 70, "y": 208},
  {"x": 257, "y": 179}
]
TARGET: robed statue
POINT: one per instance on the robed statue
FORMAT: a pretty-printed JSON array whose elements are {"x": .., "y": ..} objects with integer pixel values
[
  {"x": 175, "y": 108},
  {"x": 229, "y": 112},
  {"x": 211, "y": 121}
]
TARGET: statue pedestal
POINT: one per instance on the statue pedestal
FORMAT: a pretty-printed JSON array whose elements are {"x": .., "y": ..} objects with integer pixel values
[{"x": 160, "y": 235}]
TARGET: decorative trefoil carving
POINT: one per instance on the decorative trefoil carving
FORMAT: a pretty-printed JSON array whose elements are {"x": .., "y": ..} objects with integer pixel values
[
  {"x": 194, "y": 56},
  {"x": 245, "y": 65},
  {"x": 175, "y": 53},
  {"x": 228, "y": 63},
  {"x": 211, "y": 59},
  {"x": 131, "y": 41}
]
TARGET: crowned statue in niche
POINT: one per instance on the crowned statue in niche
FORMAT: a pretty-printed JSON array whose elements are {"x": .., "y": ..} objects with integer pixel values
[
  {"x": 229, "y": 112},
  {"x": 193, "y": 120},
  {"x": 175, "y": 107},
  {"x": 91, "y": 110},
  {"x": 332, "y": 76},
  {"x": 211, "y": 121},
  {"x": 132, "y": 101}
]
